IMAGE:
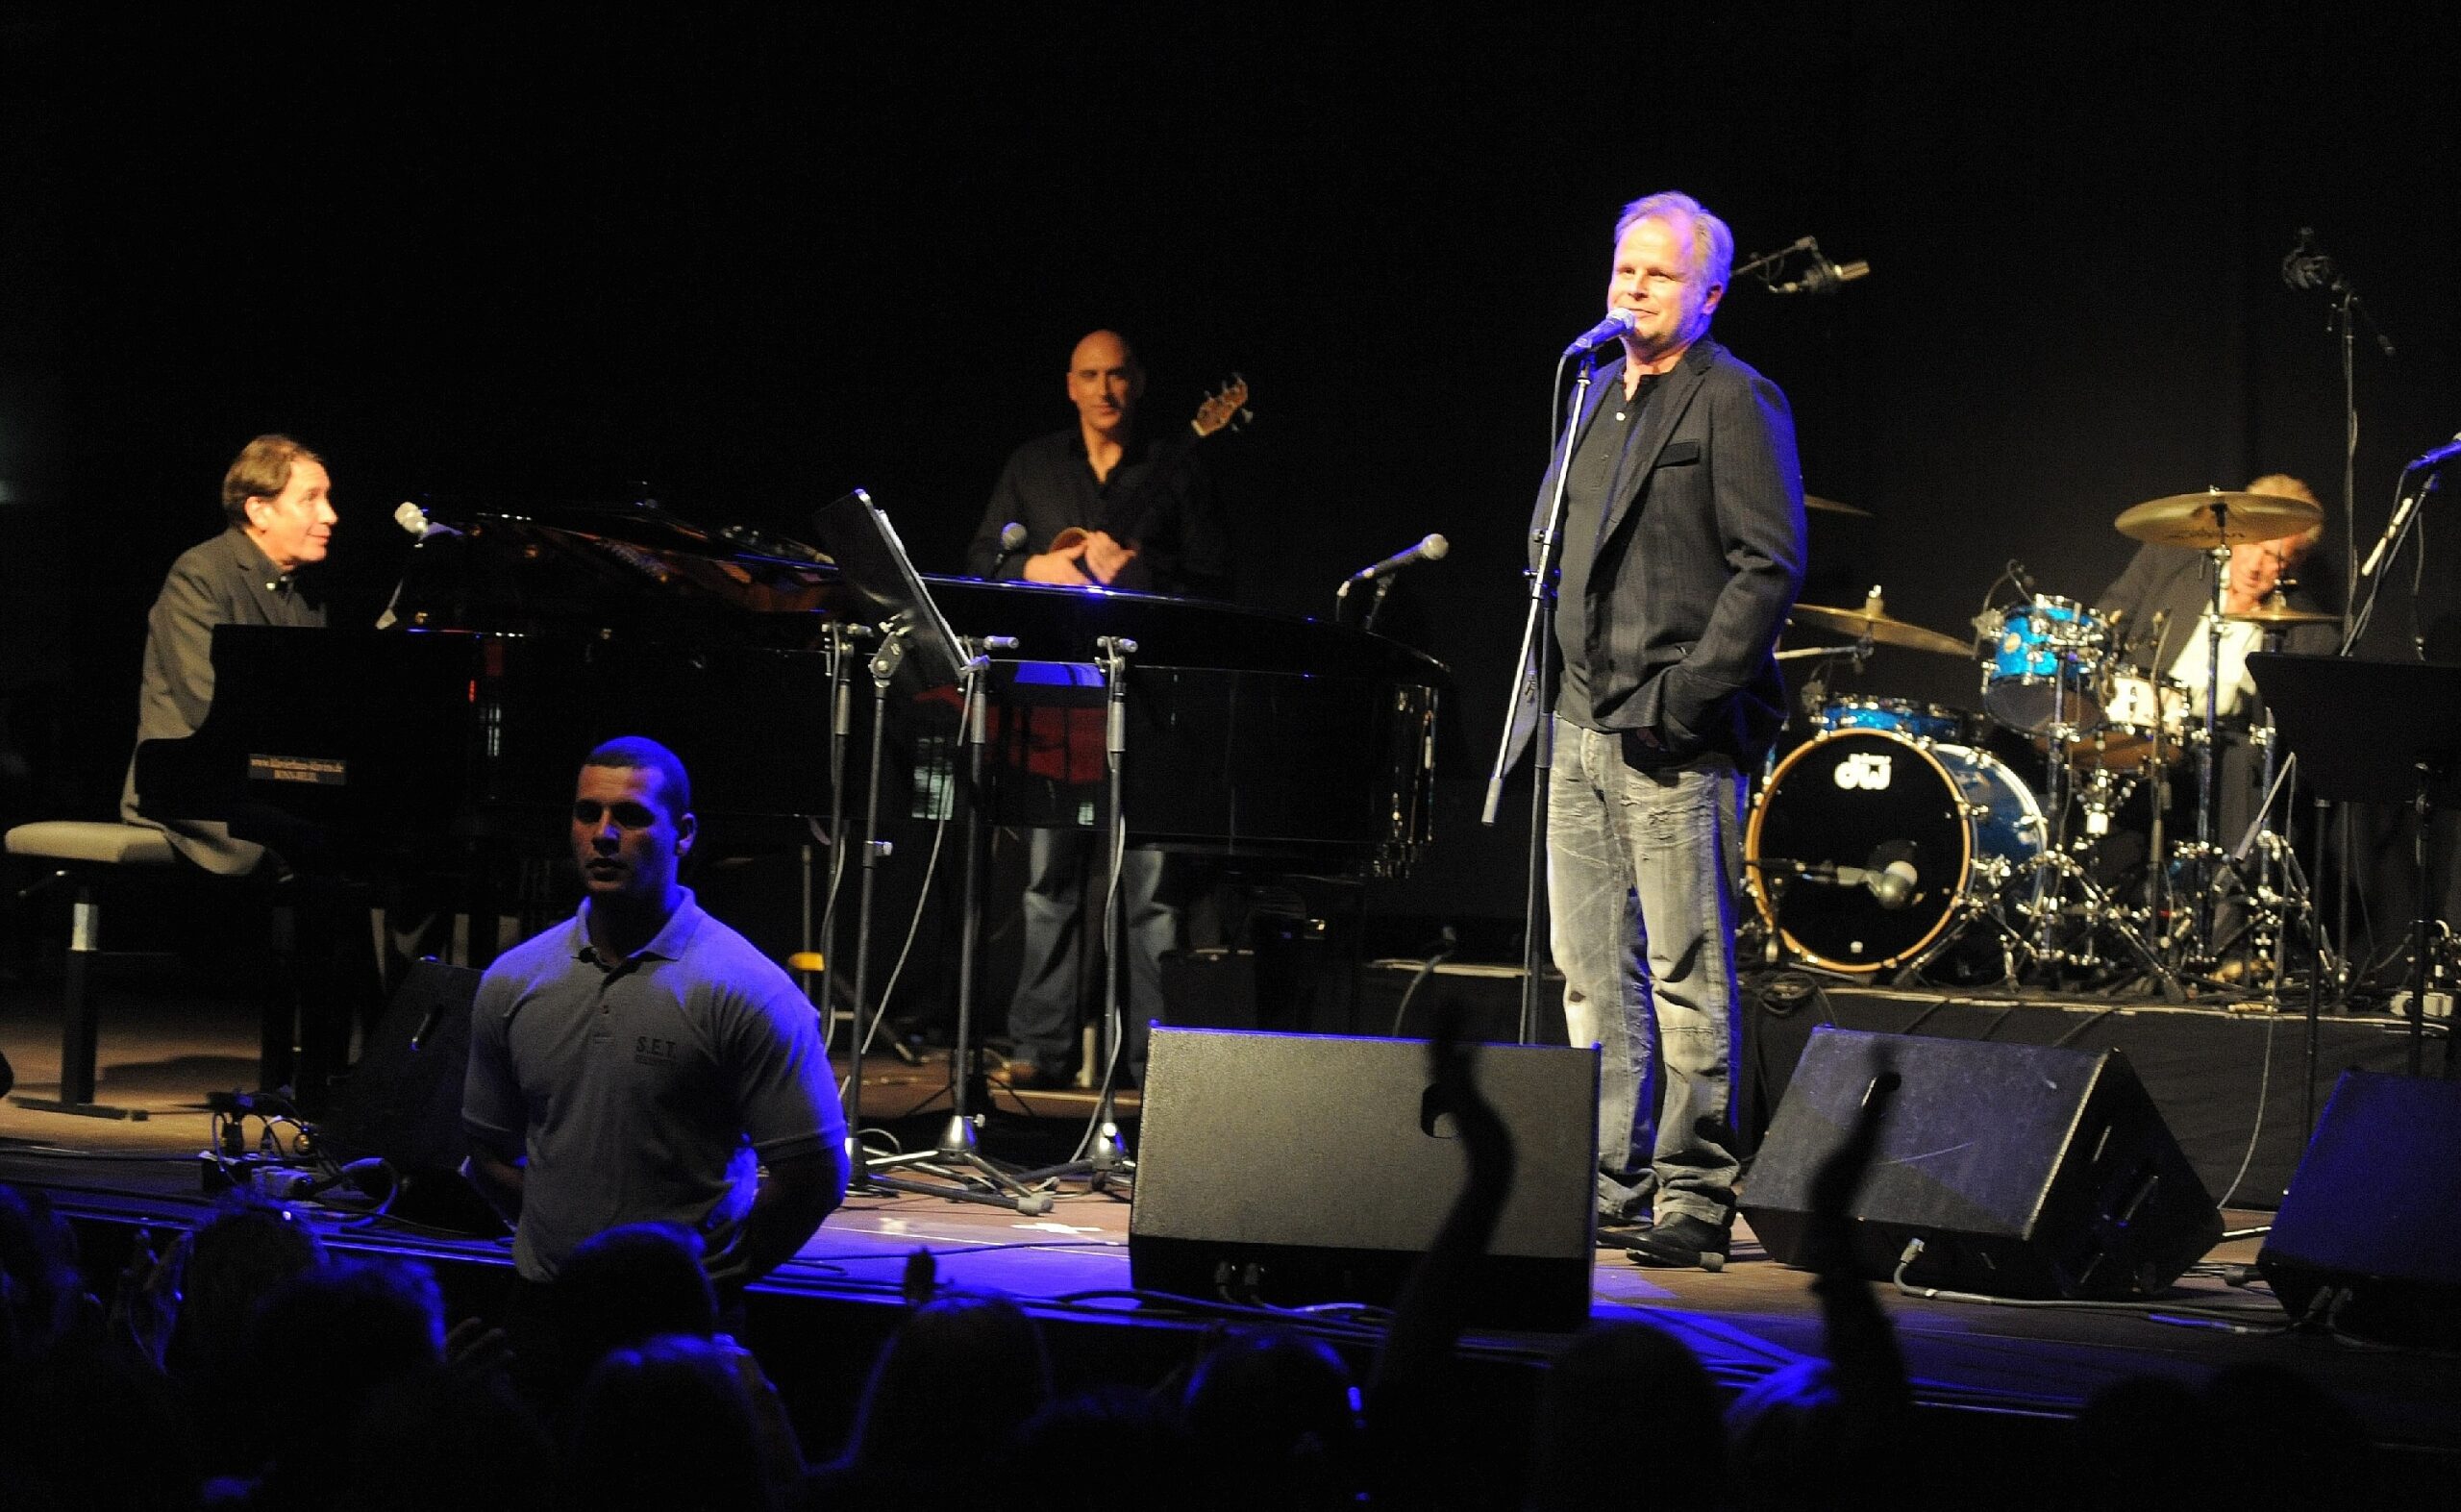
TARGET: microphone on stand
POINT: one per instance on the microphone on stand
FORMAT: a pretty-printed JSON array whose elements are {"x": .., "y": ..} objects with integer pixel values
[
  {"x": 415, "y": 524},
  {"x": 1431, "y": 549},
  {"x": 1012, "y": 540},
  {"x": 2437, "y": 457},
  {"x": 1824, "y": 277},
  {"x": 2400, "y": 520},
  {"x": 1614, "y": 328},
  {"x": 1892, "y": 886}
]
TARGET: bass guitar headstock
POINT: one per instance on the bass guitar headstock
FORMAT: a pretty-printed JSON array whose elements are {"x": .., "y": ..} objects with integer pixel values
[{"x": 1226, "y": 409}]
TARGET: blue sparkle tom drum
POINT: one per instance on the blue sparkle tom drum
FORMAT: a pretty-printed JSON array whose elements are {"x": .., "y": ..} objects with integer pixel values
[{"x": 2038, "y": 664}]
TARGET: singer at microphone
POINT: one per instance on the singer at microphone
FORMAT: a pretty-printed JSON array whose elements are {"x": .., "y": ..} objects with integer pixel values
[{"x": 1679, "y": 551}]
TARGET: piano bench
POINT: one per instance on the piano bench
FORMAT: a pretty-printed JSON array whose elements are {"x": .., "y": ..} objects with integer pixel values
[{"x": 87, "y": 855}]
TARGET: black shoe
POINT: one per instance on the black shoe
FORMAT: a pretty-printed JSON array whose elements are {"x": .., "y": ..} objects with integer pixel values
[
  {"x": 1621, "y": 1233},
  {"x": 1681, "y": 1242}
]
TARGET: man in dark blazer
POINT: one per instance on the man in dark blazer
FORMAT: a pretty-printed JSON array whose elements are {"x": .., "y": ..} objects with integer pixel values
[{"x": 1681, "y": 549}]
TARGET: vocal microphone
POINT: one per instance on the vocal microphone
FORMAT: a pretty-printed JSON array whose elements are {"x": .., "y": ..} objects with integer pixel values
[
  {"x": 1824, "y": 277},
  {"x": 414, "y": 522},
  {"x": 1431, "y": 549},
  {"x": 2400, "y": 520},
  {"x": 1012, "y": 540},
  {"x": 2437, "y": 457},
  {"x": 1614, "y": 328},
  {"x": 2309, "y": 265}
]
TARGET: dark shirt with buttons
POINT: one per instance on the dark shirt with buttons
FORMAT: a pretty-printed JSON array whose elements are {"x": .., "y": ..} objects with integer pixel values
[
  {"x": 1049, "y": 485},
  {"x": 1597, "y": 456}
]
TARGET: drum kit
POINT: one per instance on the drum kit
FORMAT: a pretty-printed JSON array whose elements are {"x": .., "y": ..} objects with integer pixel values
[{"x": 1893, "y": 836}]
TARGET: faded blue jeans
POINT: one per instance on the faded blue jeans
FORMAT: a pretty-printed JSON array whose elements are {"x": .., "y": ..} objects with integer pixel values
[
  {"x": 1065, "y": 875},
  {"x": 1640, "y": 884}
]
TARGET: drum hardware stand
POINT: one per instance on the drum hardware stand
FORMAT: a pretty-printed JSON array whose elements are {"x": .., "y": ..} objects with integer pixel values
[
  {"x": 1103, "y": 1162},
  {"x": 956, "y": 1158}
]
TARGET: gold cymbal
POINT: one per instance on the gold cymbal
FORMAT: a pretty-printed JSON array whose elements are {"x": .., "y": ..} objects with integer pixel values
[
  {"x": 2202, "y": 521},
  {"x": 1819, "y": 506},
  {"x": 1878, "y": 628},
  {"x": 2284, "y": 614}
]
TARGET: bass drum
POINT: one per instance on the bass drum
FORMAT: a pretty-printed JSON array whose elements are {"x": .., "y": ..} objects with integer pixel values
[{"x": 1950, "y": 822}]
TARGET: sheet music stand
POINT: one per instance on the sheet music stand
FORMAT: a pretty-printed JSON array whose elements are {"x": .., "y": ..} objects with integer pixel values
[{"x": 2372, "y": 732}]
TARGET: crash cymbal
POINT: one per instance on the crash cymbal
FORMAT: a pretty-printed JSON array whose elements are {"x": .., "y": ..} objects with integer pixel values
[
  {"x": 2284, "y": 614},
  {"x": 1875, "y": 625},
  {"x": 2202, "y": 521},
  {"x": 1819, "y": 506}
]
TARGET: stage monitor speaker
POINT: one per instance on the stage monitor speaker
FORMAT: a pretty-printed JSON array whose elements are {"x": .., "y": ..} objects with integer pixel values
[
  {"x": 1290, "y": 1169},
  {"x": 403, "y": 1101},
  {"x": 2027, "y": 1171},
  {"x": 2371, "y": 1226}
]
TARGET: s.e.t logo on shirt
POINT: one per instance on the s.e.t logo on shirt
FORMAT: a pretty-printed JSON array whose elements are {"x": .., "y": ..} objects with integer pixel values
[{"x": 648, "y": 1049}]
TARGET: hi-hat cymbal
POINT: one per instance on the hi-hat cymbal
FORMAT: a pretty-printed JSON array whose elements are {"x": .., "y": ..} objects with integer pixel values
[
  {"x": 2202, "y": 521},
  {"x": 1819, "y": 506},
  {"x": 2284, "y": 614},
  {"x": 1880, "y": 628}
]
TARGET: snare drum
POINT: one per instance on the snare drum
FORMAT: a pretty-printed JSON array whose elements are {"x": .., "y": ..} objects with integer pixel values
[
  {"x": 2135, "y": 707},
  {"x": 1917, "y": 720},
  {"x": 1958, "y": 819},
  {"x": 2039, "y": 663}
]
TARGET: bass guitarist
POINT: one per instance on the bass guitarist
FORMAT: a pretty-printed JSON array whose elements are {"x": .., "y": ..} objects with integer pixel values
[
  {"x": 1096, "y": 513},
  {"x": 1091, "y": 516}
]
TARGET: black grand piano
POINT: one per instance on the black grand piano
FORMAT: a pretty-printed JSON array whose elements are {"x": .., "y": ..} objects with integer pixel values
[{"x": 519, "y": 639}]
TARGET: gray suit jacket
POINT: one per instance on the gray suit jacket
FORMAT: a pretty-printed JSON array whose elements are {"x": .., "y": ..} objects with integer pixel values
[
  {"x": 226, "y": 581},
  {"x": 1699, "y": 556},
  {"x": 2168, "y": 583}
]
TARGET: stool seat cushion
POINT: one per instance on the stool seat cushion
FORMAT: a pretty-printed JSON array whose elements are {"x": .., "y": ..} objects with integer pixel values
[{"x": 93, "y": 841}]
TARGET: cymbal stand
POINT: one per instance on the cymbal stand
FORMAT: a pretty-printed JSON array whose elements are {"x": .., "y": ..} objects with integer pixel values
[
  {"x": 956, "y": 1158},
  {"x": 2205, "y": 874},
  {"x": 1101, "y": 1158}
]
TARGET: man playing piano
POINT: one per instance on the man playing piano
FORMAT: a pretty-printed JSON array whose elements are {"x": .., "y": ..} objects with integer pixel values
[
  {"x": 642, "y": 1062},
  {"x": 1152, "y": 527},
  {"x": 278, "y": 500}
]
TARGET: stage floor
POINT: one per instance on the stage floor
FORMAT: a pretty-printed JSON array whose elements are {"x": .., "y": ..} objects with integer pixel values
[{"x": 163, "y": 1052}]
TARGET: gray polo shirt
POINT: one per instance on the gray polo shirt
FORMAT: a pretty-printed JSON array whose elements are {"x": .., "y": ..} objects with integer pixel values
[{"x": 649, "y": 1088}]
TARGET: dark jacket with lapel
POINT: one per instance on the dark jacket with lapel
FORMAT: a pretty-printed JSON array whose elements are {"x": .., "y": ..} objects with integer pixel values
[
  {"x": 2170, "y": 582},
  {"x": 1699, "y": 556}
]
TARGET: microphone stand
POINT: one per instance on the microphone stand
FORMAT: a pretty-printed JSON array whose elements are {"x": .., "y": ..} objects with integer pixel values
[
  {"x": 1528, "y": 702},
  {"x": 1102, "y": 1161},
  {"x": 955, "y": 1157}
]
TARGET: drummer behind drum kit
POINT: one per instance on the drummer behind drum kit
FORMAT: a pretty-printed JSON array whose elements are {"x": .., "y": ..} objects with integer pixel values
[{"x": 1892, "y": 837}]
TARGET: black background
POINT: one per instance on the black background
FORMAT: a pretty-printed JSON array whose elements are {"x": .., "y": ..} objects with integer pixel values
[{"x": 749, "y": 257}]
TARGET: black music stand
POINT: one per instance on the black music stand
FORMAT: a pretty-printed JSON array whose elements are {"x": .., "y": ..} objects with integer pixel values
[
  {"x": 2372, "y": 732},
  {"x": 918, "y": 644}
]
